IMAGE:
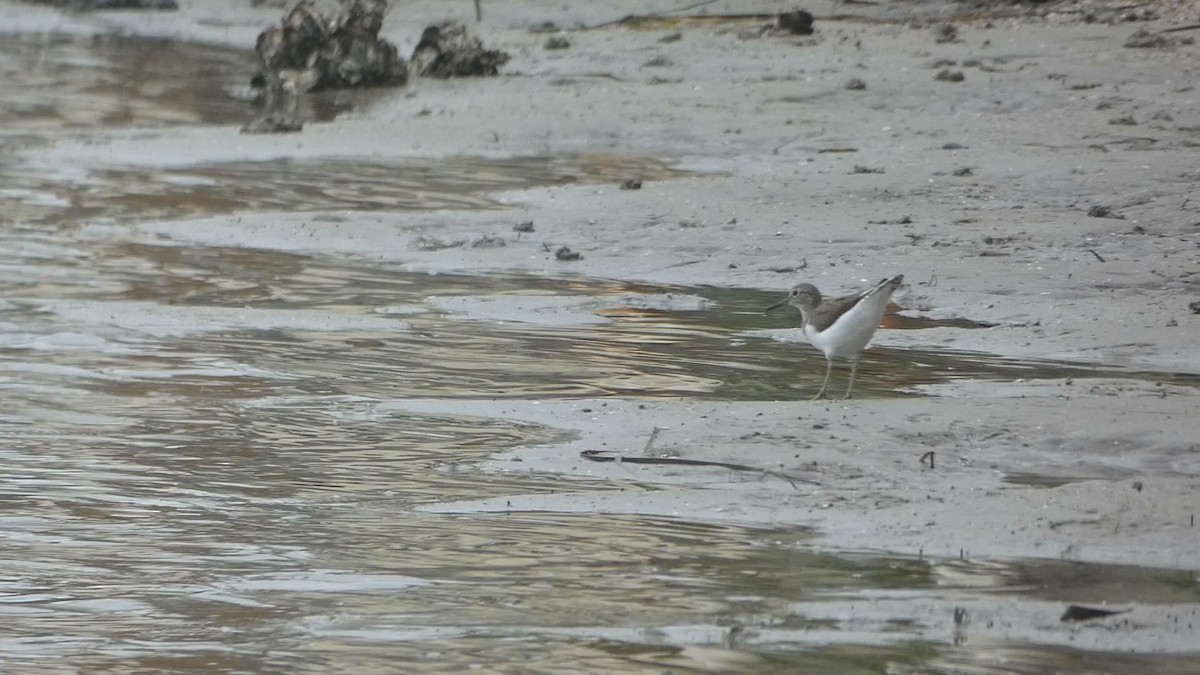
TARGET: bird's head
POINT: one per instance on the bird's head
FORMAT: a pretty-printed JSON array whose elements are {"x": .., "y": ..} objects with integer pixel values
[{"x": 804, "y": 297}]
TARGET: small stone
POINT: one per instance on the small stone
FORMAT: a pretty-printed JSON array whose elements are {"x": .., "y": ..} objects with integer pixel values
[
  {"x": 564, "y": 254},
  {"x": 489, "y": 241},
  {"x": 963, "y": 171},
  {"x": 946, "y": 32},
  {"x": 670, "y": 37},
  {"x": 434, "y": 244},
  {"x": 632, "y": 184},
  {"x": 273, "y": 123},
  {"x": 947, "y": 75},
  {"x": 557, "y": 42},
  {"x": 526, "y": 226},
  {"x": 1124, "y": 120},
  {"x": 1098, "y": 211},
  {"x": 856, "y": 84},
  {"x": 797, "y": 22}
]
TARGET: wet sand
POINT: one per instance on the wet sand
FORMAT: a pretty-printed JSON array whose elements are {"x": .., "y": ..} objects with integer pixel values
[{"x": 978, "y": 191}]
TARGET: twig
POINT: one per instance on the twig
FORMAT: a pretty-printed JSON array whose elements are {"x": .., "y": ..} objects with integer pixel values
[
  {"x": 650, "y": 441},
  {"x": 1098, "y": 256},
  {"x": 791, "y": 140},
  {"x": 929, "y": 456},
  {"x": 561, "y": 76},
  {"x": 694, "y": 6},
  {"x": 610, "y": 456},
  {"x": 1082, "y": 613}
]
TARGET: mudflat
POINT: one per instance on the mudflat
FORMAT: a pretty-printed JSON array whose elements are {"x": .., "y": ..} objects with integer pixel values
[{"x": 1030, "y": 173}]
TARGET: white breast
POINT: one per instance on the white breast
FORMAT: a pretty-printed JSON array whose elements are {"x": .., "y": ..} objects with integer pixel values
[{"x": 853, "y": 330}]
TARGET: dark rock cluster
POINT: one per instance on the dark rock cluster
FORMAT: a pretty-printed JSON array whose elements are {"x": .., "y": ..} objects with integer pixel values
[
  {"x": 309, "y": 52},
  {"x": 450, "y": 50}
]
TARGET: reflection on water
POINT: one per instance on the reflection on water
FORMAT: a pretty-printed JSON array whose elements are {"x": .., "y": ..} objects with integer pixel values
[
  {"x": 125, "y": 194},
  {"x": 59, "y": 83}
]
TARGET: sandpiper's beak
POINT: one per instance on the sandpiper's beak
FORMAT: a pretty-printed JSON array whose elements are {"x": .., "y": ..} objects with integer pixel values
[{"x": 781, "y": 303}]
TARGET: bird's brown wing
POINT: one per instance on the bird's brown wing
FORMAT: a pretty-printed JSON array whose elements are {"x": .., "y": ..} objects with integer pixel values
[
  {"x": 830, "y": 309},
  {"x": 828, "y": 312}
]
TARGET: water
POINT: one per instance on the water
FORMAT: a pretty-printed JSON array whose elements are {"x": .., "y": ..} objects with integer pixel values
[
  {"x": 197, "y": 478},
  {"x": 65, "y": 84},
  {"x": 59, "y": 84},
  {"x": 225, "y": 495},
  {"x": 138, "y": 194}
]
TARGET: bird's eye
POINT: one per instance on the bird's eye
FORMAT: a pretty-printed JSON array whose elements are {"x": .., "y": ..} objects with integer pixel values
[{"x": 795, "y": 292}]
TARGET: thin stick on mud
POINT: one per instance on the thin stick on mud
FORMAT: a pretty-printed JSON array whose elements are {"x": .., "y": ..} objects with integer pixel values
[
  {"x": 610, "y": 456},
  {"x": 650, "y": 441}
]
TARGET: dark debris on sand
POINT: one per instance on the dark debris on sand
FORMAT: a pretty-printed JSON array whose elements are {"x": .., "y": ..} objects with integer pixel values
[
  {"x": 796, "y": 22},
  {"x": 1144, "y": 39},
  {"x": 273, "y": 123},
  {"x": 88, "y": 5}
]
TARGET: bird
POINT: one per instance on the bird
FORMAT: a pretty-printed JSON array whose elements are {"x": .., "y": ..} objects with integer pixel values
[{"x": 840, "y": 327}]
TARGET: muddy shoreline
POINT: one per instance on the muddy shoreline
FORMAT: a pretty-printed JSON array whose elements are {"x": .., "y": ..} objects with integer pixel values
[
  {"x": 1010, "y": 242},
  {"x": 1051, "y": 192}
]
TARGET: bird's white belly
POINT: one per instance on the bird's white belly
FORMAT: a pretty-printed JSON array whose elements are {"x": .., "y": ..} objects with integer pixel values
[{"x": 852, "y": 331}]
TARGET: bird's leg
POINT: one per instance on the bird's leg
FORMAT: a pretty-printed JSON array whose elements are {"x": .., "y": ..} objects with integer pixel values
[
  {"x": 853, "y": 372},
  {"x": 828, "y": 371}
]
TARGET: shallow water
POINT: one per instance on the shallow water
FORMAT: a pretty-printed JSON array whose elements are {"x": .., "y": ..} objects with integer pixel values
[
  {"x": 68, "y": 84},
  {"x": 193, "y": 454},
  {"x": 196, "y": 478},
  {"x": 137, "y": 194}
]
